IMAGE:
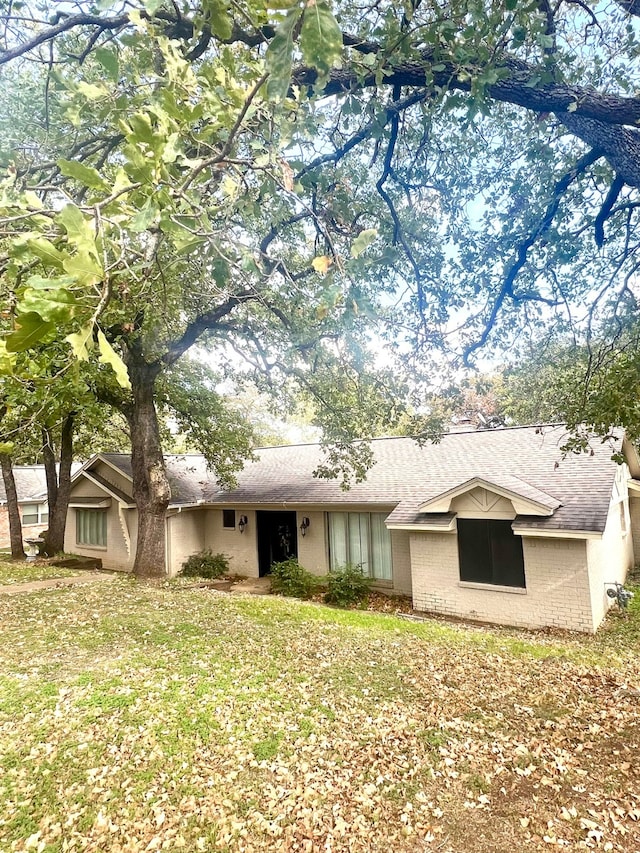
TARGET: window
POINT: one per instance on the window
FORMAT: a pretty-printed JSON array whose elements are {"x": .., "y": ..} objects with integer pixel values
[
  {"x": 35, "y": 514},
  {"x": 91, "y": 527},
  {"x": 360, "y": 538},
  {"x": 229, "y": 518},
  {"x": 490, "y": 552},
  {"x": 623, "y": 518}
]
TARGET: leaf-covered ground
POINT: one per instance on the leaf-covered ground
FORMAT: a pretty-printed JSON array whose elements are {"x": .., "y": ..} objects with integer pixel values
[
  {"x": 12, "y": 572},
  {"x": 140, "y": 718}
]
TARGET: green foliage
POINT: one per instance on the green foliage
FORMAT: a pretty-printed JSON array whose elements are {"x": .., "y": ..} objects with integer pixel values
[
  {"x": 205, "y": 564},
  {"x": 291, "y": 579},
  {"x": 206, "y": 422},
  {"x": 347, "y": 585}
]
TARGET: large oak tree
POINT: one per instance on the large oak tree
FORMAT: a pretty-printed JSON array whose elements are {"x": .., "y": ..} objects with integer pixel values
[{"x": 276, "y": 181}]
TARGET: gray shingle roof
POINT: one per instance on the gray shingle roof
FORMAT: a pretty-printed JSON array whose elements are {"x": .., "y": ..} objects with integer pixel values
[
  {"x": 526, "y": 460},
  {"x": 31, "y": 483},
  {"x": 507, "y": 482}
]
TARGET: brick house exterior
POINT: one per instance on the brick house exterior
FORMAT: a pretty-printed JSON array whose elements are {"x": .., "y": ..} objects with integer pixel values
[
  {"x": 31, "y": 485},
  {"x": 496, "y": 525}
]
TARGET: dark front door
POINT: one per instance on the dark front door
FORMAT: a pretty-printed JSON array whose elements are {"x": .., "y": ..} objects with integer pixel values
[{"x": 277, "y": 538}]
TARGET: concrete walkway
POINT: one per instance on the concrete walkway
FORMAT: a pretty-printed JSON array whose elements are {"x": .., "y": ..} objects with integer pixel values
[
  {"x": 55, "y": 583},
  {"x": 253, "y": 586}
]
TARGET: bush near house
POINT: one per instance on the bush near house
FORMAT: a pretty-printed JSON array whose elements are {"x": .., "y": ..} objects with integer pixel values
[
  {"x": 347, "y": 585},
  {"x": 291, "y": 579},
  {"x": 205, "y": 564}
]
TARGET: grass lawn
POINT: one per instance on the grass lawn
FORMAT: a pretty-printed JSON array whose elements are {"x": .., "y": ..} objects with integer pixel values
[
  {"x": 137, "y": 718},
  {"x": 12, "y": 572}
]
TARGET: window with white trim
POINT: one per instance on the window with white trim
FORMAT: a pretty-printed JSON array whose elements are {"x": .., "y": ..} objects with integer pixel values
[
  {"x": 362, "y": 539},
  {"x": 91, "y": 527},
  {"x": 35, "y": 514}
]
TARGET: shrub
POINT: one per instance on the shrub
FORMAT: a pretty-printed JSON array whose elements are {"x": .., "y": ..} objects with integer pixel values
[
  {"x": 290, "y": 578},
  {"x": 347, "y": 585},
  {"x": 205, "y": 564}
]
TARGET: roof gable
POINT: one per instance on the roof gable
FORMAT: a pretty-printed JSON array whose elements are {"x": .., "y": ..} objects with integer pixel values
[{"x": 525, "y": 498}]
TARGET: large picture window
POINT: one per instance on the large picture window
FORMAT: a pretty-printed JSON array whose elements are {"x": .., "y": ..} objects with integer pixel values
[
  {"x": 490, "y": 552},
  {"x": 91, "y": 527},
  {"x": 362, "y": 539}
]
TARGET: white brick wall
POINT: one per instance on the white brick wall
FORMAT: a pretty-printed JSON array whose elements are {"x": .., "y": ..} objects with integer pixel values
[
  {"x": 634, "y": 511},
  {"x": 185, "y": 536},
  {"x": 240, "y": 548},
  {"x": 611, "y": 557},
  {"x": 557, "y": 579},
  {"x": 116, "y": 555},
  {"x": 313, "y": 552}
]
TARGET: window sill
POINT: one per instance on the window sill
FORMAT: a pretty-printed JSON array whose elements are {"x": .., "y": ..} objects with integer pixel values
[
  {"x": 91, "y": 547},
  {"x": 514, "y": 590}
]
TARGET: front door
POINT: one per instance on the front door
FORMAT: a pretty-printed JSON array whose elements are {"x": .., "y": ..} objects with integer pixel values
[{"x": 277, "y": 538}]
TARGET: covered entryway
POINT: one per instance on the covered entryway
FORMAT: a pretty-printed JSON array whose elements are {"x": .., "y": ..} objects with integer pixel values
[{"x": 277, "y": 538}]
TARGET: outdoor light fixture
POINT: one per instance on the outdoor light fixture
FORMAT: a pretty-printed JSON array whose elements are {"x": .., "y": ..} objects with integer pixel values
[
  {"x": 242, "y": 523},
  {"x": 304, "y": 525}
]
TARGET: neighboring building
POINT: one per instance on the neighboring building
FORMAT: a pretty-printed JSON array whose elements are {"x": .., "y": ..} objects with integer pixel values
[
  {"x": 492, "y": 525},
  {"x": 31, "y": 485}
]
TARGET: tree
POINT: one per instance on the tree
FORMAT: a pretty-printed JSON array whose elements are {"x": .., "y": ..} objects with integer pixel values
[
  {"x": 592, "y": 386},
  {"x": 278, "y": 183},
  {"x": 43, "y": 405},
  {"x": 11, "y": 492}
]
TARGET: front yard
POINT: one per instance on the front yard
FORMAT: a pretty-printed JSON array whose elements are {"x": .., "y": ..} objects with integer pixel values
[
  {"x": 141, "y": 718},
  {"x": 12, "y": 572}
]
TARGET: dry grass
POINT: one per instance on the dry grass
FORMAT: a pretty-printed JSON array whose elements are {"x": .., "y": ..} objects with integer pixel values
[{"x": 141, "y": 718}]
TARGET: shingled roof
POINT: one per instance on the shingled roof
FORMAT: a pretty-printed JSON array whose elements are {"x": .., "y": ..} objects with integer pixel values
[
  {"x": 31, "y": 484},
  {"x": 526, "y": 461}
]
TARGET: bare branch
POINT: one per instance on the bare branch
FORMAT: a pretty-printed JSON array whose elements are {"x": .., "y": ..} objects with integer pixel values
[
  {"x": 506, "y": 290},
  {"x": 63, "y": 26},
  {"x": 605, "y": 210}
]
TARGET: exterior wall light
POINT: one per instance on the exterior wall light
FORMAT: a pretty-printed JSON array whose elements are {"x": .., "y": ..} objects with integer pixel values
[
  {"x": 304, "y": 525},
  {"x": 242, "y": 523}
]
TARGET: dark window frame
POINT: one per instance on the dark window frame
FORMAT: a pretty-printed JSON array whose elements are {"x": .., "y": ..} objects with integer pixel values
[
  {"x": 229, "y": 515},
  {"x": 490, "y": 553}
]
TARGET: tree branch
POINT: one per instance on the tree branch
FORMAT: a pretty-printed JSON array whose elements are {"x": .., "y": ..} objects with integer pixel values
[
  {"x": 506, "y": 290},
  {"x": 204, "y": 322},
  {"x": 518, "y": 86},
  {"x": 337, "y": 154},
  {"x": 63, "y": 26},
  {"x": 605, "y": 210}
]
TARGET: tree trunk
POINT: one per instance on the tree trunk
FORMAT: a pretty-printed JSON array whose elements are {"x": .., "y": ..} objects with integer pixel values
[
  {"x": 58, "y": 487},
  {"x": 151, "y": 489},
  {"x": 15, "y": 524}
]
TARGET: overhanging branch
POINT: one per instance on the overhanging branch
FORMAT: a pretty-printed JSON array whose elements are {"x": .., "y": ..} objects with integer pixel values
[{"x": 506, "y": 289}]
